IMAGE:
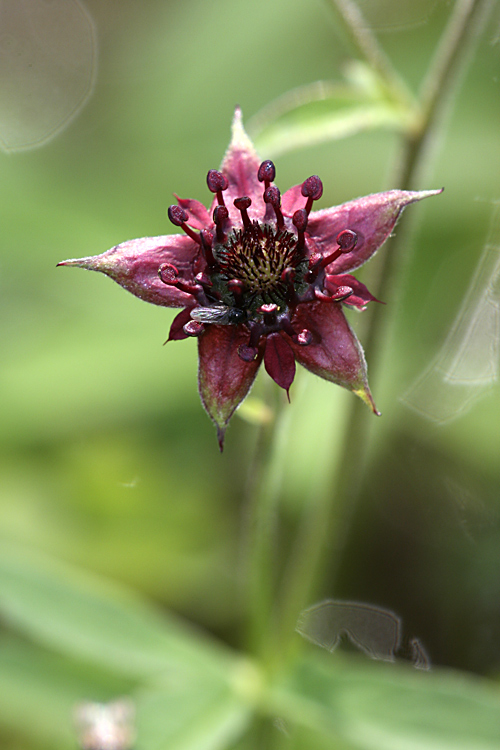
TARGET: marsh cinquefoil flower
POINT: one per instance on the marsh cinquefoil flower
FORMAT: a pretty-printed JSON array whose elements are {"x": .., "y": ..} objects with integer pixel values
[{"x": 260, "y": 276}]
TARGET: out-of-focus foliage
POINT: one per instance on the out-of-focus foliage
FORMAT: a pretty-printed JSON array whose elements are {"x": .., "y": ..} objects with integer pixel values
[
  {"x": 189, "y": 691},
  {"x": 107, "y": 459}
]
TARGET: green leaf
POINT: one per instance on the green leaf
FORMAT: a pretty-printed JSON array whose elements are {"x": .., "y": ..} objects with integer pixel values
[
  {"x": 198, "y": 715},
  {"x": 193, "y": 693},
  {"x": 325, "y": 111},
  {"x": 374, "y": 706},
  {"x": 87, "y": 617},
  {"x": 39, "y": 690}
]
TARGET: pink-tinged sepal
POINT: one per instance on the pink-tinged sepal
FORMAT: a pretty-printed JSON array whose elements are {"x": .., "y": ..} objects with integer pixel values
[
  {"x": 335, "y": 353},
  {"x": 372, "y": 218},
  {"x": 134, "y": 265},
  {"x": 199, "y": 217},
  {"x": 240, "y": 166},
  {"x": 224, "y": 378},
  {"x": 360, "y": 296},
  {"x": 279, "y": 361}
]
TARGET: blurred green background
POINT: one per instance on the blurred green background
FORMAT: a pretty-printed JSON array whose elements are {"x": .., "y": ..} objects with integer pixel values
[{"x": 107, "y": 458}]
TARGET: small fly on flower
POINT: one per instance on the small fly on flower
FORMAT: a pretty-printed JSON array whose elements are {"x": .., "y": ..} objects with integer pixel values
[
  {"x": 105, "y": 726},
  {"x": 218, "y": 314}
]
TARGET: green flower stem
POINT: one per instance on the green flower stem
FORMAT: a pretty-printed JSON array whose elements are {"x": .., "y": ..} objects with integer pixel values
[
  {"x": 325, "y": 524},
  {"x": 266, "y": 474}
]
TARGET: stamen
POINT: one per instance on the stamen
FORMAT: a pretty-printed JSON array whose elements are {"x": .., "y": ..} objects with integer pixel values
[
  {"x": 217, "y": 182},
  {"x": 272, "y": 195},
  {"x": 347, "y": 240},
  {"x": 247, "y": 353},
  {"x": 256, "y": 331},
  {"x": 299, "y": 220},
  {"x": 178, "y": 216},
  {"x": 193, "y": 328},
  {"x": 236, "y": 287},
  {"x": 220, "y": 215},
  {"x": 269, "y": 313},
  {"x": 169, "y": 274},
  {"x": 312, "y": 189},
  {"x": 288, "y": 278},
  {"x": 242, "y": 204},
  {"x": 206, "y": 244},
  {"x": 266, "y": 173}
]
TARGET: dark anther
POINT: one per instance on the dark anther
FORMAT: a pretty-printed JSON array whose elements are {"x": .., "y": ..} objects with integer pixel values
[
  {"x": 216, "y": 181},
  {"x": 177, "y": 215},
  {"x": 247, "y": 353},
  {"x": 273, "y": 196},
  {"x": 312, "y": 189},
  {"x": 299, "y": 220},
  {"x": 347, "y": 240},
  {"x": 305, "y": 337},
  {"x": 193, "y": 328},
  {"x": 267, "y": 172},
  {"x": 168, "y": 274},
  {"x": 242, "y": 204},
  {"x": 220, "y": 214}
]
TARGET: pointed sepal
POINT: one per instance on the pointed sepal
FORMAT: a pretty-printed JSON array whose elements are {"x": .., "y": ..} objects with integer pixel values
[
  {"x": 224, "y": 378},
  {"x": 372, "y": 218},
  {"x": 334, "y": 353},
  {"x": 134, "y": 265}
]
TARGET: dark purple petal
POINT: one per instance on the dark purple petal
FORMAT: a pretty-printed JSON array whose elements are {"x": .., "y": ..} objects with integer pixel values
[
  {"x": 134, "y": 265},
  {"x": 241, "y": 165},
  {"x": 372, "y": 218},
  {"x": 279, "y": 360},
  {"x": 199, "y": 217},
  {"x": 335, "y": 353},
  {"x": 360, "y": 297},
  {"x": 176, "y": 332},
  {"x": 224, "y": 379}
]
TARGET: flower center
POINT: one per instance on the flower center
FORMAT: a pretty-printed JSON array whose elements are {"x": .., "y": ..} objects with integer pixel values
[
  {"x": 259, "y": 256},
  {"x": 255, "y": 273}
]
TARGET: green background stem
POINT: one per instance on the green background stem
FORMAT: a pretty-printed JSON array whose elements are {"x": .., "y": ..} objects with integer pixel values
[{"x": 325, "y": 523}]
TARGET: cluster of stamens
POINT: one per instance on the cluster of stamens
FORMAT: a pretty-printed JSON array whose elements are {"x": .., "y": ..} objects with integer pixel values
[{"x": 256, "y": 274}]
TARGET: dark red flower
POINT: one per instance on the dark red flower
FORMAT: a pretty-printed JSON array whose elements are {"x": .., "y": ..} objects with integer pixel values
[{"x": 260, "y": 277}]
